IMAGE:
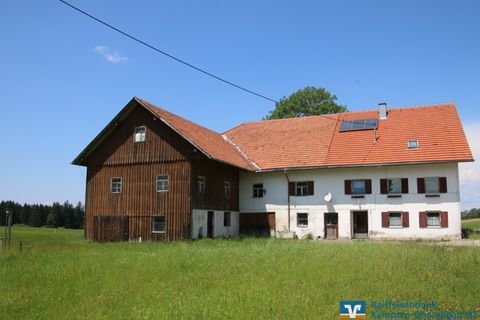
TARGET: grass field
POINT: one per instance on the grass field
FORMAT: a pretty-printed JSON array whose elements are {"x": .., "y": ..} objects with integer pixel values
[
  {"x": 472, "y": 224},
  {"x": 58, "y": 275}
]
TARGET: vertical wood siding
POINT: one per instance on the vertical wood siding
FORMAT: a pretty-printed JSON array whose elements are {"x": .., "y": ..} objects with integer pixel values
[{"x": 163, "y": 152}]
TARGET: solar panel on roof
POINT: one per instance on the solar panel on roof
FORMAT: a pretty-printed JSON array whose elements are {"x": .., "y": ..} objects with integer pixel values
[{"x": 362, "y": 124}]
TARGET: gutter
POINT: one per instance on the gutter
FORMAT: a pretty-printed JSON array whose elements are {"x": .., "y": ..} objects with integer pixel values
[{"x": 288, "y": 196}]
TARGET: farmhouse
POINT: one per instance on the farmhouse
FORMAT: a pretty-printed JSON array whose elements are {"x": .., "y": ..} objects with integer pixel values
[{"x": 378, "y": 174}]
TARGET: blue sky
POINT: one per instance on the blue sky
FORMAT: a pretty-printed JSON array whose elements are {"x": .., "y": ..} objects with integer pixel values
[{"x": 65, "y": 76}]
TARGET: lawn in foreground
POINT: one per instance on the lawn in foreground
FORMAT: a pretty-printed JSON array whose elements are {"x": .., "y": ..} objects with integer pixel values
[{"x": 59, "y": 275}]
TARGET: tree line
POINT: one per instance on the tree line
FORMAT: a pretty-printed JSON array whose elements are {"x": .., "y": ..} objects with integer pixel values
[
  {"x": 38, "y": 215},
  {"x": 471, "y": 214}
]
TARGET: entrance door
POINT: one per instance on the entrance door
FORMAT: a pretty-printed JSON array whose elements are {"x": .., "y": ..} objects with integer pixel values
[
  {"x": 210, "y": 224},
  {"x": 331, "y": 225},
  {"x": 360, "y": 224}
]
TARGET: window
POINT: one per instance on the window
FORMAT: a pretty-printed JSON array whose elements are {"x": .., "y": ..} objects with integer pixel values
[
  {"x": 413, "y": 144},
  {"x": 116, "y": 185},
  {"x": 395, "y": 219},
  {"x": 158, "y": 224},
  {"x": 139, "y": 134},
  {"x": 227, "y": 216},
  {"x": 302, "y": 220},
  {"x": 433, "y": 219},
  {"x": 432, "y": 186},
  {"x": 201, "y": 184},
  {"x": 162, "y": 183},
  {"x": 394, "y": 186},
  {"x": 258, "y": 190},
  {"x": 300, "y": 188},
  {"x": 226, "y": 189},
  {"x": 358, "y": 186}
]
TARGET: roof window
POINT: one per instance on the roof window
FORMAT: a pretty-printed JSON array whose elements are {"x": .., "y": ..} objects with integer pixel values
[{"x": 413, "y": 144}]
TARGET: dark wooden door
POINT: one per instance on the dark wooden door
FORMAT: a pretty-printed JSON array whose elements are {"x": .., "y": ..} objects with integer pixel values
[
  {"x": 110, "y": 228},
  {"x": 331, "y": 225},
  {"x": 360, "y": 224},
  {"x": 210, "y": 224}
]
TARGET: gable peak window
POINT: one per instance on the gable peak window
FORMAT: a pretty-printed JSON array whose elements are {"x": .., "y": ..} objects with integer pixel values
[
  {"x": 258, "y": 190},
  {"x": 139, "y": 135},
  {"x": 162, "y": 183},
  {"x": 116, "y": 186}
]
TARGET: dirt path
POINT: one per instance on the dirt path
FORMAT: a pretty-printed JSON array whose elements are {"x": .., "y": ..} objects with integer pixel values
[{"x": 471, "y": 220}]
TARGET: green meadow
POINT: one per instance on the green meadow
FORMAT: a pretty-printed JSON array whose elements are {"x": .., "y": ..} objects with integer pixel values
[{"x": 58, "y": 275}]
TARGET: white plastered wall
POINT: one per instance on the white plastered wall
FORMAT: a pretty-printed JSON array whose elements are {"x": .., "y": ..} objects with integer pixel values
[
  {"x": 332, "y": 180},
  {"x": 200, "y": 224}
]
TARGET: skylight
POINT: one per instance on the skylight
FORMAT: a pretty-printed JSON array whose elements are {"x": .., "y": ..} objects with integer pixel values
[{"x": 363, "y": 124}]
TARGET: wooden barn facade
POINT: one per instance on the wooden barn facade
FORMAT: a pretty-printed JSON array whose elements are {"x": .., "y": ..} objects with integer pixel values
[{"x": 149, "y": 170}]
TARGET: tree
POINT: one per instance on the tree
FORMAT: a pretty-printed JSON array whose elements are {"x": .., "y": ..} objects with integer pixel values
[{"x": 306, "y": 102}]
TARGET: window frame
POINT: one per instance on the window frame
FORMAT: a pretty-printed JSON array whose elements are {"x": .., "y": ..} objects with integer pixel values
[
  {"x": 364, "y": 187},
  {"x": 300, "y": 219},
  {"x": 164, "y": 222},
  {"x": 158, "y": 180},
  {"x": 258, "y": 191},
  {"x": 227, "y": 189},
  {"x": 437, "y": 190},
  {"x": 439, "y": 218},
  {"x": 301, "y": 188},
  {"x": 400, "y": 219},
  {"x": 227, "y": 219},
  {"x": 140, "y": 135},
  {"x": 116, "y": 187},
  {"x": 201, "y": 184}
]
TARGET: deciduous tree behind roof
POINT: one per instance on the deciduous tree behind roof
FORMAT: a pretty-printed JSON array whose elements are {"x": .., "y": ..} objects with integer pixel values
[{"x": 308, "y": 101}]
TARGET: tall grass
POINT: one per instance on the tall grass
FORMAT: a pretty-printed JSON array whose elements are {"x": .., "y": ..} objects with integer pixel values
[{"x": 58, "y": 275}]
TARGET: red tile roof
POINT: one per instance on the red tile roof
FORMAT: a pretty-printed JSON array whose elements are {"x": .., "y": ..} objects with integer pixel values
[
  {"x": 316, "y": 141},
  {"x": 209, "y": 142}
]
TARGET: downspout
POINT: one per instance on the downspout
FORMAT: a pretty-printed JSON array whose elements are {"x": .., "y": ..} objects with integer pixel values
[{"x": 288, "y": 197}]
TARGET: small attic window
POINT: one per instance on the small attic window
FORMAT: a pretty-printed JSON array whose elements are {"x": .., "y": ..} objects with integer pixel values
[
  {"x": 139, "y": 135},
  {"x": 413, "y": 144},
  {"x": 363, "y": 124}
]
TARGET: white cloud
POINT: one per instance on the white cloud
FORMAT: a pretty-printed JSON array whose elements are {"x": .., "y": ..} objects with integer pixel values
[
  {"x": 110, "y": 55},
  {"x": 470, "y": 171}
]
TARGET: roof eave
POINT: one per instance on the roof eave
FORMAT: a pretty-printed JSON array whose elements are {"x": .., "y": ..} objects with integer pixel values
[{"x": 363, "y": 165}]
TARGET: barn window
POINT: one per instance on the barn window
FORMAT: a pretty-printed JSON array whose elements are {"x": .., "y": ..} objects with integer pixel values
[
  {"x": 302, "y": 220},
  {"x": 139, "y": 134},
  {"x": 226, "y": 189},
  {"x": 116, "y": 185},
  {"x": 162, "y": 183},
  {"x": 227, "y": 219},
  {"x": 258, "y": 190},
  {"x": 201, "y": 184},
  {"x": 158, "y": 224}
]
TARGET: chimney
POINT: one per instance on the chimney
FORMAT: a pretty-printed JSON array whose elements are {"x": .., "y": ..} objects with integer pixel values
[{"x": 382, "y": 111}]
